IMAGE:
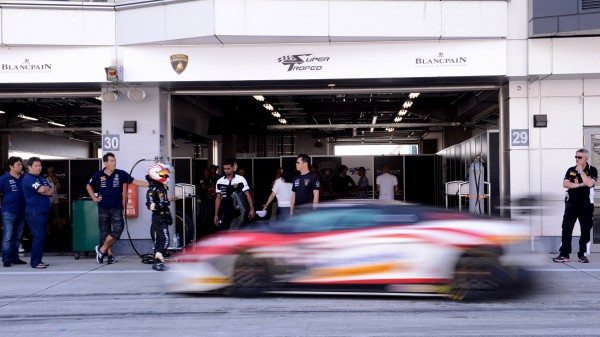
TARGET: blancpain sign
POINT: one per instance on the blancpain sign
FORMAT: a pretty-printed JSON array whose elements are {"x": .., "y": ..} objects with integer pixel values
[
  {"x": 440, "y": 60},
  {"x": 26, "y": 67}
]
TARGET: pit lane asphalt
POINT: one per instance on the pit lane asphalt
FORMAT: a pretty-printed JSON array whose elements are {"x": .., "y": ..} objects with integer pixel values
[{"x": 81, "y": 297}]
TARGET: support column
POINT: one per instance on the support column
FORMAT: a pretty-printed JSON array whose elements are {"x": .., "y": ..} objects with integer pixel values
[
  {"x": 152, "y": 140},
  {"x": 504, "y": 161},
  {"x": 4, "y": 145}
]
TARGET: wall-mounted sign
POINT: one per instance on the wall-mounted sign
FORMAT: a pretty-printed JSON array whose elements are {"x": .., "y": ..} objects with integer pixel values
[
  {"x": 110, "y": 143},
  {"x": 519, "y": 137},
  {"x": 132, "y": 209}
]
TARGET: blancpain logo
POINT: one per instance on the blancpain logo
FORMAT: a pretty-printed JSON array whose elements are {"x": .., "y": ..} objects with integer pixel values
[
  {"x": 26, "y": 66},
  {"x": 300, "y": 62},
  {"x": 440, "y": 60}
]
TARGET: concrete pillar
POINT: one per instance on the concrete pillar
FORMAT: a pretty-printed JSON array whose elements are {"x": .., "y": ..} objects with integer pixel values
[
  {"x": 153, "y": 139},
  {"x": 4, "y": 146}
]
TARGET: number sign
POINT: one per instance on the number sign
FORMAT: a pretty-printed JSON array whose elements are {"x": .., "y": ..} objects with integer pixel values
[
  {"x": 110, "y": 143},
  {"x": 519, "y": 137}
]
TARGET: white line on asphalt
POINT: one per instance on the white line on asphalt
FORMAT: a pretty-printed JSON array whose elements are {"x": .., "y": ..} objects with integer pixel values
[
  {"x": 566, "y": 270},
  {"x": 78, "y": 272}
]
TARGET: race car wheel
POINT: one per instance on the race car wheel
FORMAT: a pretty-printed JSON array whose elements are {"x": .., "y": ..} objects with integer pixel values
[
  {"x": 251, "y": 276},
  {"x": 477, "y": 276}
]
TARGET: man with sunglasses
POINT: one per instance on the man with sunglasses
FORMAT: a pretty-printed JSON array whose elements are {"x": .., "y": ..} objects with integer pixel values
[
  {"x": 579, "y": 204},
  {"x": 305, "y": 187}
]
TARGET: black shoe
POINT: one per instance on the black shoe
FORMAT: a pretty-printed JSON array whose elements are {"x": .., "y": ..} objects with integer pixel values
[
  {"x": 561, "y": 259},
  {"x": 583, "y": 259},
  {"x": 159, "y": 266},
  {"x": 111, "y": 259},
  {"x": 19, "y": 261},
  {"x": 99, "y": 255},
  {"x": 6, "y": 264}
]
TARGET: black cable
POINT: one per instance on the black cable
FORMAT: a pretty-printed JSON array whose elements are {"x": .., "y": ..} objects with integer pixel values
[{"x": 146, "y": 258}]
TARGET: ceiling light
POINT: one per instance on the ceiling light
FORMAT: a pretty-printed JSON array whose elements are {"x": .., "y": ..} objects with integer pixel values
[
  {"x": 259, "y": 98},
  {"x": 27, "y": 117},
  {"x": 96, "y": 132},
  {"x": 402, "y": 112},
  {"x": 282, "y": 121},
  {"x": 413, "y": 95},
  {"x": 373, "y": 122},
  {"x": 398, "y": 119},
  {"x": 268, "y": 106},
  {"x": 407, "y": 104},
  {"x": 55, "y": 124},
  {"x": 276, "y": 114},
  {"x": 389, "y": 129},
  {"x": 2, "y": 112}
]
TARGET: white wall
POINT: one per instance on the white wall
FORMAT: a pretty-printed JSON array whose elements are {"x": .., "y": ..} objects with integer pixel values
[
  {"x": 62, "y": 27},
  {"x": 151, "y": 117},
  {"x": 250, "y": 21},
  {"x": 538, "y": 169},
  {"x": 48, "y": 145}
]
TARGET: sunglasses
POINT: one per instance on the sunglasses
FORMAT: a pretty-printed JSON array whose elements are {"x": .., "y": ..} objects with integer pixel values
[{"x": 579, "y": 157}]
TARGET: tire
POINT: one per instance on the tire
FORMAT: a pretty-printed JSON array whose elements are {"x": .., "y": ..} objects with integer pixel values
[
  {"x": 251, "y": 276},
  {"x": 478, "y": 275}
]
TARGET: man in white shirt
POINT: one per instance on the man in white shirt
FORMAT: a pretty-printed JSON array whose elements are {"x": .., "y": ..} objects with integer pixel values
[
  {"x": 229, "y": 187},
  {"x": 387, "y": 184}
]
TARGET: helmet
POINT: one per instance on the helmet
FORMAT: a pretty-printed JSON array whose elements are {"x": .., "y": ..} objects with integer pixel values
[{"x": 159, "y": 172}]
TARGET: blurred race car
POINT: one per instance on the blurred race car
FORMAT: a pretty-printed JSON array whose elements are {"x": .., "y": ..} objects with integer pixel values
[{"x": 358, "y": 248}]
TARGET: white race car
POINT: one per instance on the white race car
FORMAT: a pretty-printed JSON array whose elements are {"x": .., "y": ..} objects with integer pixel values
[{"x": 353, "y": 248}]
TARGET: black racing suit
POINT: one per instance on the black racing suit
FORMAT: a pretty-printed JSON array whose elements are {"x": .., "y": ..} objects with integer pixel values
[{"x": 158, "y": 202}]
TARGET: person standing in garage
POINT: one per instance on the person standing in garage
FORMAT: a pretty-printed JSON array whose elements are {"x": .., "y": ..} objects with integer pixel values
[
  {"x": 108, "y": 183},
  {"x": 305, "y": 187},
  {"x": 387, "y": 184},
  {"x": 231, "y": 210},
  {"x": 13, "y": 211},
  {"x": 579, "y": 204},
  {"x": 37, "y": 194}
]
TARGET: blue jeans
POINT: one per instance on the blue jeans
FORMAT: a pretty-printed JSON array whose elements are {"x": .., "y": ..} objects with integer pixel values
[
  {"x": 12, "y": 224},
  {"x": 38, "y": 224}
]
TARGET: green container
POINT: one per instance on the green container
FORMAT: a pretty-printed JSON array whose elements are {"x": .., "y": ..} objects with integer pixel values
[{"x": 86, "y": 234}]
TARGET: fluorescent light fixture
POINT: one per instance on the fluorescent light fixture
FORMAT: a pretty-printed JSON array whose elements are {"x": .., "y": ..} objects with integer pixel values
[
  {"x": 276, "y": 114},
  {"x": 413, "y": 95},
  {"x": 27, "y": 117},
  {"x": 96, "y": 132},
  {"x": 282, "y": 121},
  {"x": 398, "y": 119},
  {"x": 268, "y": 106},
  {"x": 55, "y": 124},
  {"x": 407, "y": 104},
  {"x": 373, "y": 122},
  {"x": 2, "y": 112},
  {"x": 402, "y": 112},
  {"x": 259, "y": 98}
]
